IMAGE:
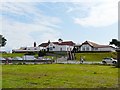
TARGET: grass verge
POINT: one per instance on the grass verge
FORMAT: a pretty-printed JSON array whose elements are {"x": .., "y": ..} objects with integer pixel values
[
  {"x": 59, "y": 76},
  {"x": 95, "y": 56}
]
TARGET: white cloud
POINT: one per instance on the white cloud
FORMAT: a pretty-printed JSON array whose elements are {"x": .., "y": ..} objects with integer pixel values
[
  {"x": 102, "y": 13},
  {"x": 19, "y": 33}
]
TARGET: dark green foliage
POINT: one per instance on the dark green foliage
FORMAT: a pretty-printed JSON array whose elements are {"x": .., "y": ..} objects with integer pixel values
[
  {"x": 19, "y": 63},
  {"x": 41, "y": 53},
  {"x": 47, "y": 49},
  {"x": 115, "y": 42},
  {"x": 2, "y": 41},
  {"x": 30, "y": 53},
  {"x": 74, "y": 50}
]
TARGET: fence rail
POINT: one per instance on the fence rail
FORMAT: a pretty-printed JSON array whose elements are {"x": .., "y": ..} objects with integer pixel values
[{"x": 26, "y": 61}]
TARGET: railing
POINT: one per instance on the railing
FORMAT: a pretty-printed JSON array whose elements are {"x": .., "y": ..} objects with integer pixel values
[{"x": 26, "y": 61}]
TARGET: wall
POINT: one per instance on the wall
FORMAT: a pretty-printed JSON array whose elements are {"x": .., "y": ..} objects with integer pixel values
[
  {"x": 59, "y": 47},
  {"x": 85, "y": 47},
  {"x": 106, "y": 49},
  {"x": 33, "y": 48}
]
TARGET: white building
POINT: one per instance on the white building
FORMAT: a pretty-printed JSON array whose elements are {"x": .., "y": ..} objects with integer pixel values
[
  {"x": 27, "y": 49},
  {"x": 91, "y": 46},
  {"x": 58, "y": 46}
]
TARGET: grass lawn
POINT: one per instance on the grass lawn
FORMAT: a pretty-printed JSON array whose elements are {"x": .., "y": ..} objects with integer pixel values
[
  {"x": 59, "y": 76},
  {"x": 12, "y": 54},
  {"x": 95, "y": 56}
]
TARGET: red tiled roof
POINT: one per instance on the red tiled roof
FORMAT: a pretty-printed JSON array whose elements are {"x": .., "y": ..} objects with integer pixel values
[
  {"x": 95, "y": 45},
  {"x": 70, "y": 43}
]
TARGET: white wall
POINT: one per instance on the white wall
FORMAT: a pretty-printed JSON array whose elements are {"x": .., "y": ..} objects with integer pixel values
[
  {"x": 86, "y": 47},
  {"x": 59, "y": 47},
  {"x": 106, "y": 49}
]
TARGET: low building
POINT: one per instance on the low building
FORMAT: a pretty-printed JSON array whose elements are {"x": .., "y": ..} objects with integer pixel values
[
  {"x": 91, "y": 46},
  {"x": 27, "y": 49}
]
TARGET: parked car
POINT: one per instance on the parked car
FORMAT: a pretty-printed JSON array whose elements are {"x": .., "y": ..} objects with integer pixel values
[
  {"x": 1, "y": 58},
  {"x": 48, "y": 59},
  {"x": 17, "y": 58},
  {"x": 29, "y": 57},
  {"x": 40, "y": 58},
  {"x": 109, "y": 61},
  {"x": 9, "y": 58}
]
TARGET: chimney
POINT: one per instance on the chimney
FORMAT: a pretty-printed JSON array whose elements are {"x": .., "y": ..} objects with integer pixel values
[
  {"x": 34, "y": 44},
  {"x": 60, "y": 40}
]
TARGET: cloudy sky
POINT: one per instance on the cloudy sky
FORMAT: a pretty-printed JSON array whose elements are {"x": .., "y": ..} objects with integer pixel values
[{"x": 23, "y": 23}]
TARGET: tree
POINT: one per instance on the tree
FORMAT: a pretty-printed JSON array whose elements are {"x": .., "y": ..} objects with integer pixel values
[
  {"x": 117, "y": 44},
  {"x": 2, "y": 41},
  {"x": 74, "y": 50}
]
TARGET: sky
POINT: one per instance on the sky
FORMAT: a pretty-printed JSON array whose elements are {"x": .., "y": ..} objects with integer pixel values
[{"x": 25, "y": 22}]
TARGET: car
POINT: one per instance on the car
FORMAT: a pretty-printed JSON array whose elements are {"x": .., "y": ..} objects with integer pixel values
[
  {"x": 17, "y": 58},
  {"x": 109, "y": 61},
  {"x": 48, "y": 59},
  {"x": 1, "y": 58},
  {"x": 28, "y": 57},
  {"x": 9, "y": 58}
]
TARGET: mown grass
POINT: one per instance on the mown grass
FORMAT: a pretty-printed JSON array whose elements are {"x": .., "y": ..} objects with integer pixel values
[
  {"x": 12, "y": 55},
  {"x": 87, "y": 56},
  {"x": 95, "y": 56},
  {"x": 0, "y": 75},
  {"x": 59, "y": 76}
]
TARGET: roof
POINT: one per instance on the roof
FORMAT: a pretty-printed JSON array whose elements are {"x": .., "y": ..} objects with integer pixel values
[
  {"x": 70, "y": 43},
  {"x": 95, "y": 45},
  {"x": 44, "y": 45}
]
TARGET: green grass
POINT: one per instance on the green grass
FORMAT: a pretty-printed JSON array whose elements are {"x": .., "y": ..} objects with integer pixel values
[
  {"x": 5, "y": 55},
  {"x": 95, "y": 56},
  {"x": 59, "y": 76},
  {"x": 0, "y": 76},
  {"x": 12, "y": 54}
]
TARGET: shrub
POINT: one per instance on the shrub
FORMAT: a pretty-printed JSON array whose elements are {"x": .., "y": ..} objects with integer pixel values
[{"x": 19, "y": 63}]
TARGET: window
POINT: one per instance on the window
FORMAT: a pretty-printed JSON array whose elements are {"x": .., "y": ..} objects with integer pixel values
[
  {"x": 67, "y": 49},
  {"x": 60, "y": 49},
  {"x": 83, "y": 49},
  {"x": 87, "y": 48},
  {"x": 50, "y": 48},
  {"x": 96, "y": 48}
]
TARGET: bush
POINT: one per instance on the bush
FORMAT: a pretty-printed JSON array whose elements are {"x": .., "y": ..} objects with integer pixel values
[
  {"x": 19, "y": 63},
  {"x": 24, "y": 63}
]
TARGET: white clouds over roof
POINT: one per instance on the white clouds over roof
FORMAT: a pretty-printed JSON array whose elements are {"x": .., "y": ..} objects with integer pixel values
[
  {"x": 18, "y": 32},
  {"x": 102, "y": 13},
  {"x": 26, "y": 21}
]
